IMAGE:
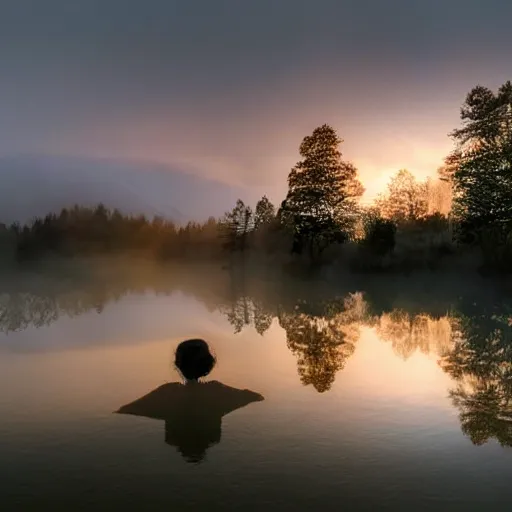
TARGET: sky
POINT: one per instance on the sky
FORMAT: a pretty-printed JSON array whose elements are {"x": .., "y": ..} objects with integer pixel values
[{"x": 225, "y": 90}]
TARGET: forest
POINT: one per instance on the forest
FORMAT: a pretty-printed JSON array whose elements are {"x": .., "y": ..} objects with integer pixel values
[{"x": 463, "y": 214}]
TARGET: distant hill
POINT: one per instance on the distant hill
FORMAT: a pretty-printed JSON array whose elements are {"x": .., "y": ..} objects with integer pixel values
[{"x": 35, "y": 185}]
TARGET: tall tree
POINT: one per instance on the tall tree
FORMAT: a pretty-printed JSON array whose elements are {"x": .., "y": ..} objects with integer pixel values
[
  {"x": 322, "y": 191},
  {"x": 405, "y": 199},
  {"x": 480, "y": 167},
  {"x": 264, "y": 213},
  {"x": 236, "y": 226}
]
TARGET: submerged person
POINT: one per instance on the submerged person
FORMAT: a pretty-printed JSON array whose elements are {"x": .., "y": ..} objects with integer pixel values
[{"x": 192, "y": 411}]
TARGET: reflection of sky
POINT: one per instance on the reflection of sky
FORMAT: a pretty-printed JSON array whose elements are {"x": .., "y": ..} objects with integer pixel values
[
  {"x": 228, "y": 92},
  {"x": 134, "y": 319}
]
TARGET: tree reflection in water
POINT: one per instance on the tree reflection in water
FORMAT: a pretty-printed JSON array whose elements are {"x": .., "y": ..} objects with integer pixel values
[
  {"x": 321, "y": 334},
  {"x": 410, "y": 333},
  {"x": 323, "y": 344},
  {"x": 480, "y": 362},
  {"x": 472, "y": 340},
  {"x": 474, "y": 348}
]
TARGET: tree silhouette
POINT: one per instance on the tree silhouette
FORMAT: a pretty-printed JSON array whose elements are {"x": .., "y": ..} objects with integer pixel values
[
  {"x": 264, "y": 213},
  {"x": 378, "y": 233},
  {"x": 236, "y": 225},
  {"x": 320, "y": 205},
  {"x": 480, "y": 167},
  {"x": 92, "y": 231}
]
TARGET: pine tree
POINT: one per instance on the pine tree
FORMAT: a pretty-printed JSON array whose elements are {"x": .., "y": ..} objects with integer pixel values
[
  {"x": 480, "y": 167},
  {"x": 264, "y": 213},
  {"x": 236, "y": 226},
  {"x": 320, "y": 207}
]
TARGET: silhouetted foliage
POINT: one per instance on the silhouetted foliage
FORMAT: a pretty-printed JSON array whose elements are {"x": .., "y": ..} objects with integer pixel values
[
  {"x": 264, "y": 213},
  {"x": 236, "y": 226},
  {"x": 376, "y": 241},
  {"x": 92, "y": 231},
  {"x": 409, "y": 227},
  {"x": 378, "y": 234},
  {"x": 320, "y": 207},
  {"x": 380, "y": 237},
  {"x": 480, "y": 169}
]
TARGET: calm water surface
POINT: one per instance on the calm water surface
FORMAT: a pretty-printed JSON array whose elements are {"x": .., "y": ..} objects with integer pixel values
[{"x": 371, "y": 402}]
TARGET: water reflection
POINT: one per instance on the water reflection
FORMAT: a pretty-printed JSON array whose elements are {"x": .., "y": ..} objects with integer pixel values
[
  {"x": 192, "y": 413},
  {"x": 323, "y": 341},
  {"x": 480, "y": 362},
  {"x": 472, "y": 342},
  {"x": 411, "y": 333},
  {"x": 469, "y": 334}
]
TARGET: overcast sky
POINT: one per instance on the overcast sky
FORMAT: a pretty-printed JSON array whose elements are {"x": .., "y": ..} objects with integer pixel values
[{"x": 227, "y": 89}]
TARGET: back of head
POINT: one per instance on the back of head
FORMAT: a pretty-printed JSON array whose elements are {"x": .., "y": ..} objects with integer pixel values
[{"x": 194, "y": 359}]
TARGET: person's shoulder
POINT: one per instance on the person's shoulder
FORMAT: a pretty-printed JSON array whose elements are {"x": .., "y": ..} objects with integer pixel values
[
  {"x": 215, "y": 384},
  {"x": 171, "y": 388},
  {"x": 218, "y": 384},
  {"x": 169, "y": 385}
]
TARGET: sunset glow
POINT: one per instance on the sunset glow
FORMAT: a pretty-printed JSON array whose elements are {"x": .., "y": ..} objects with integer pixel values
[{"x": 232, "y": 104}]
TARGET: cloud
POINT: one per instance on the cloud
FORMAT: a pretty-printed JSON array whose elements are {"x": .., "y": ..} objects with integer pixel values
[
  {"x": 229, "y": 88},
  {"x": 35, "y": 185}
]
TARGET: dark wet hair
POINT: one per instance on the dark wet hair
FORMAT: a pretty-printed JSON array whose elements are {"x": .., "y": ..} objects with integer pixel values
[{"x": 193, "y": 359}]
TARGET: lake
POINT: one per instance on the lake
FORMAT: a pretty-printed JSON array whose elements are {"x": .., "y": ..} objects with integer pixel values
[{"x": 383, "y": 393}]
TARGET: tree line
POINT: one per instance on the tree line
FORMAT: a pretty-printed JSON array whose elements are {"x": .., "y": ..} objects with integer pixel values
[{"x": 413, "y": 223}]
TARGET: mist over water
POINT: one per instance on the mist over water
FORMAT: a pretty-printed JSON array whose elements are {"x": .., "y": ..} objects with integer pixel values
[{"x": 387, "y": 393}]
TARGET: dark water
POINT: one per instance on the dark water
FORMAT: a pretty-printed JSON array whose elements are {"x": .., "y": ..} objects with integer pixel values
[{"x": 387, "y": 395}]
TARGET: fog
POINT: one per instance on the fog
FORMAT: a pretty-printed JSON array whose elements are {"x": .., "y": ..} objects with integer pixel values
[
  {"x": 60, "y": 304},
  {"x": 38, "y": 184}
]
